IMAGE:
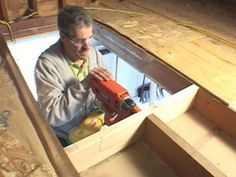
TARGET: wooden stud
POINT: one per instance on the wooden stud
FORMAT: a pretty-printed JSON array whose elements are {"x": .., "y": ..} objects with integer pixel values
[
  {"x": 30, "y": 27},
  {"x": 3, "y": 10},
  {"x": 61, "y": 3},
  {"x": 32, "y": 4}
]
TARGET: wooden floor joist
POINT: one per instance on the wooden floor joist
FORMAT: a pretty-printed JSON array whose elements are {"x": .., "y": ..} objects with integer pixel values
[
  {"x": 3, "y": 10},
  {"x": 26, "y": 122}
]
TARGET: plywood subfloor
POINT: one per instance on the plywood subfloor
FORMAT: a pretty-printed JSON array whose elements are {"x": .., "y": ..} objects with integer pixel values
[
  {"x": 17, "y": 135},
  {"x": 206, "y": 138},
  {"x": 179, "y": 34},
  {"x": 137, "y": 160}
]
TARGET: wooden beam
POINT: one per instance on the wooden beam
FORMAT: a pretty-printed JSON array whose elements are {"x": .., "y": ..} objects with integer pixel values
[
  {"x": 59, "y": 160},
  {"x": 105, "y": 143},
  {"x": 141, "y": 59},
  {"x": 3, "y": 11},
  {"x": 32, "y": 4},
  {"x": 30, "y": 27},
  {"x": 176, "y": 152},
  {"x": 61, "y": 3}
]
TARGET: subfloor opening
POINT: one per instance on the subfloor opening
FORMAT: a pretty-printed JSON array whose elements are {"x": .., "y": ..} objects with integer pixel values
[{"x": 142, "y": 89}]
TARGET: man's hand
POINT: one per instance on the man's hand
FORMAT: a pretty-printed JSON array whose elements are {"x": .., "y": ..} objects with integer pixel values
[
  {"x": 100, "y": 74},
  {"x": 97, "y": 73}
]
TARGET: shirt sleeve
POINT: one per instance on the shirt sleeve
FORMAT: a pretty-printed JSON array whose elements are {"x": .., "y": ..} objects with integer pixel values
[{"x": 60, "y": 100}]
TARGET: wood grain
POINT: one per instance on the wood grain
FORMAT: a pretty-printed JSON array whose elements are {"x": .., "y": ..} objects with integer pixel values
[{"x": 27, "y": 123}]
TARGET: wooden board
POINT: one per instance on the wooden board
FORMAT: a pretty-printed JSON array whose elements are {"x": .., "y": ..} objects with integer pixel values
[
  {"x": 93, "y": 149},
  {"x": 177, "y": 153},
  {"x": 205, "y": 123},
  {"x": 213, "y": 143},
  {"x": 24, "y": 126},
  {"x": 118, "y": 147}
]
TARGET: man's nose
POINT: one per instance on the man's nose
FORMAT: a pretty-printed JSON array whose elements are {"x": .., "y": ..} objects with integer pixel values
[{"x": 86, "y": 43}]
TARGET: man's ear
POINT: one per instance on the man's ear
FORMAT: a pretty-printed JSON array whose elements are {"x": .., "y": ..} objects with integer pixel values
[{"x": 62, "y": 35}]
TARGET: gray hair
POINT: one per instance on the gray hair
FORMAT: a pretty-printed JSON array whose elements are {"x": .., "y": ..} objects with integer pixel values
[{"x": 71, "y": 17}]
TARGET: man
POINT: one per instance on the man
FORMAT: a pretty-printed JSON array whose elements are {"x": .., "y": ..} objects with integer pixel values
[{"x": 64, "y": 70}]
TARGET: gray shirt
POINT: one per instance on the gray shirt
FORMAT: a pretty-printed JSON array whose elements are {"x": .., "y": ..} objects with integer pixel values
[{"x": 63, "y": 100}]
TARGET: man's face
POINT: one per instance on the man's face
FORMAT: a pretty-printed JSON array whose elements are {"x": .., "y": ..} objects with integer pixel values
[{"x": 77, "y": 43}]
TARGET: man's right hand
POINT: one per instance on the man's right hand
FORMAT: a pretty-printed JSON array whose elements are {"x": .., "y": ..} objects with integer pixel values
[{"x": 99, "y": 74}]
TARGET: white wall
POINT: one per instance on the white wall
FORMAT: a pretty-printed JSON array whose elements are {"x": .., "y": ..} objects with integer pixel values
[{"x": 26, "y": 51}]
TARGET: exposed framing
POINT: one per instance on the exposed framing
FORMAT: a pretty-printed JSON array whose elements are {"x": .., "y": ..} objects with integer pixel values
[
  {"x": 32, "y": 4},
  {"x": 30, "y": 27}
]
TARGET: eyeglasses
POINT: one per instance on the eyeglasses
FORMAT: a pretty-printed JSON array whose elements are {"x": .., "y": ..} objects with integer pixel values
[{"x": 77, "y": 41}]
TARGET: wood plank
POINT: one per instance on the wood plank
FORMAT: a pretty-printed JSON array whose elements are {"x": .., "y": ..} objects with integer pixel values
[
  {"x": 30, "y": 27},
  {"x": 205, "y": 136},
  {"x": 176, "y": 151},
  {"x": 108, "y": 141},
  {"x": 204, "y": 68},
  {"x": 193, "y": 127},
  {"x": 48, "y": 139},
  {"x": 176, "y": 104},
  {"x": 196, "y": 15},
  {"x": 223, "y": 52}
]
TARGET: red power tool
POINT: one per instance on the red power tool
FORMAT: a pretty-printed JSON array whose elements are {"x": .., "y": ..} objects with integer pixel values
[{"x": 115, "y": 98}]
